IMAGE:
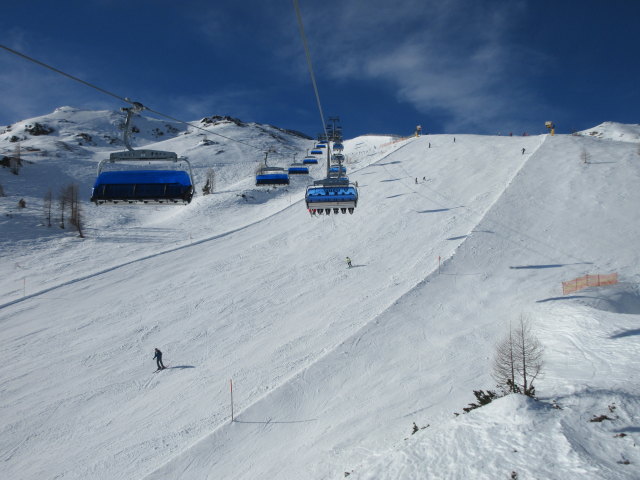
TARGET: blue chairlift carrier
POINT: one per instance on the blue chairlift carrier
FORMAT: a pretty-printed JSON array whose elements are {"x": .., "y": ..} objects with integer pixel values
[
  {"x": 132, "y": 184},
  {"x": 272, "y": 176},
  {"x": 335, "y": 194},
  {"x": 298, "y": 169}
]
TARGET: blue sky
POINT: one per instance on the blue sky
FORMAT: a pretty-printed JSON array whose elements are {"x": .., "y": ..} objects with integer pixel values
[{"x": 453, "y": 66}]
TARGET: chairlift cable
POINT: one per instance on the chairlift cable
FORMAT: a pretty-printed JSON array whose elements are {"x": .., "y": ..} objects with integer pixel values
[
  {"x": 309, "y": 63},
  {"x": 136, "y": 105}
]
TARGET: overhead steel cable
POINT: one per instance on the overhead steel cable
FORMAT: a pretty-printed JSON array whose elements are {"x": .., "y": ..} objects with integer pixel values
[
  {"x": 310, "y": 64},
  {"x": 136, "y": 105}
]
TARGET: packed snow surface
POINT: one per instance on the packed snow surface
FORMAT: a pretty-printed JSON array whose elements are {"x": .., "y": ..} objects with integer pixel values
[{"x": 451, "y": 241}]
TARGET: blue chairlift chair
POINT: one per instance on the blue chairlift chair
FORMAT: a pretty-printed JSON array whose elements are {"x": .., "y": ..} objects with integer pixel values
[{"x": 121, "y": 179}]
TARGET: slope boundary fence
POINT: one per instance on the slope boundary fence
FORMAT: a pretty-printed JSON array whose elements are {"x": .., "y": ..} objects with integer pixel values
[
  {"x": 400, "y": 139},
  {"x": 589, "y": 281}
]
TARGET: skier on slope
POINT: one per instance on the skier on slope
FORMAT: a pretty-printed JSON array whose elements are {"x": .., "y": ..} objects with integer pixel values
[
  {"x": 158, "y": 358},
  {"x": 349, "y": 262}
]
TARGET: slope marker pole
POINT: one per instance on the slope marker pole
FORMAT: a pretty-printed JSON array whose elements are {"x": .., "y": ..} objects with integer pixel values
[{"x": 231, "y": 390}]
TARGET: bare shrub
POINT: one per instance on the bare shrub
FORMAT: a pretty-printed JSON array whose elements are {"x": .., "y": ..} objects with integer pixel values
[
  {"x": 518, "y": 359},
  {"x": 209, "y": 185}
]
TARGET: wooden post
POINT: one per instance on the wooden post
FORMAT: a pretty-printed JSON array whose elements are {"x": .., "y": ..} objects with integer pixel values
[{"x": 231, "y": 389}]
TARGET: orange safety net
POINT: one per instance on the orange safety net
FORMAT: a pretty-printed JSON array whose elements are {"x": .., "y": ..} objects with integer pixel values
[{"x": 589, "y": 281}]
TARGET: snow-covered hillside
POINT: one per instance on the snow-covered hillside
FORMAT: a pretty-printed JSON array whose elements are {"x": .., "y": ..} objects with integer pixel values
[
  {"x": 614, "y": 131},
  {"x": 451, "y": 240}
]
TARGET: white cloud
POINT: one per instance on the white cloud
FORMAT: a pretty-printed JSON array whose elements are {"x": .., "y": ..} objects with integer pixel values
[{"x": 452, "y": 58}]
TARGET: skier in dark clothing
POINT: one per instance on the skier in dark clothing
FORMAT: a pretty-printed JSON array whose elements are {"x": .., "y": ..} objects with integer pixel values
[
  {"x": 349, "y": 262},
  {"x": 523, "y": 151},
  {"x": 158, "y": 358}
]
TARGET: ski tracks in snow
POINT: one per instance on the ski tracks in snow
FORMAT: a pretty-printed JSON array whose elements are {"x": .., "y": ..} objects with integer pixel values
[
  {"x": 191, "y": 244},
  {"x": 94, "y": 275}
]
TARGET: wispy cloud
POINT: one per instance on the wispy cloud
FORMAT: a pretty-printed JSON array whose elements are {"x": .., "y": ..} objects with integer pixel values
[
  {"x": 450, "y": 58},
  {"x": 28, "y": 90}
]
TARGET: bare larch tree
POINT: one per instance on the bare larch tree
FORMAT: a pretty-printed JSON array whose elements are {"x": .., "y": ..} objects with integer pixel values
[{"x": 518, "y": 359}]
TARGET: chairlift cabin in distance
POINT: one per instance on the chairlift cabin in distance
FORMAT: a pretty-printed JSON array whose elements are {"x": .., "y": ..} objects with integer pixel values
[
  {"x": 268, "y": 176},
  {"x": 298, "y": 169},
  {"x": 142, "y": 176},
  {"x": 336, "y": 171}
]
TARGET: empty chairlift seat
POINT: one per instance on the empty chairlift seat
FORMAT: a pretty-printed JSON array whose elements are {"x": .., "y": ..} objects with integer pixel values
[
  {"x": 336, "y": 195},
  {"x": 337, "y": 171},
  {"x": 121, "y": 180},
  {"x": 272, "y": 176},
  {"x": 298, "y": 169},
  {"x": 310, "y": 161}
]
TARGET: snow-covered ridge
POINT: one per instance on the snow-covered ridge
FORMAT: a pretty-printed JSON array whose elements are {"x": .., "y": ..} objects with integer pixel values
[
  {"x": 85, "y": 128},
  {"x": 81, "y": 138},
  {"x": 614, "y": 131}
]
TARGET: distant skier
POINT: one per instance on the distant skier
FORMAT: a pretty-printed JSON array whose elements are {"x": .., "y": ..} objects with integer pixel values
[
  {"x": 158, "y": 358},
  {"x": 429, "y": 144},
  {"x": 416, "y": 180},
  {"x": 454, "y": 139},
  {"x": 523, "y": 150},
  {"x": 349, "y": 262}
]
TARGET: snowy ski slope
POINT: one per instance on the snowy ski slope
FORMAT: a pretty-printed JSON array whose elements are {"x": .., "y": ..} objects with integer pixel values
[{"x": 331, "y": 366}]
